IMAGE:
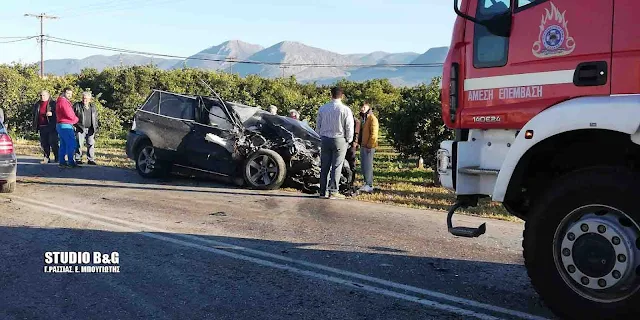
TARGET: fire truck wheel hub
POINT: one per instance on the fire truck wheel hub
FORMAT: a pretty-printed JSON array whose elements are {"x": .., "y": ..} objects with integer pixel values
[{"x": 597, "y": 253}]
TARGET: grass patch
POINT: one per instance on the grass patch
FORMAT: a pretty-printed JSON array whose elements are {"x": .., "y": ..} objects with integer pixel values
[
  {"x": 109, "y": 152},
  {"x": 398, "y": 181}
]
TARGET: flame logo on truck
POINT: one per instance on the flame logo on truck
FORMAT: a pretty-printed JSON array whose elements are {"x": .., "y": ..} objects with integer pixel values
[{"x": 554, "y": 39}]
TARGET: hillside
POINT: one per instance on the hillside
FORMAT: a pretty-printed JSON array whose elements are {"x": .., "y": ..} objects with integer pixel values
[
  {"x": 100, "y": 62},
  {"x": 233, "y": 49},
  {"x": 294, "y": 53},
  {"x": 284, "y": 52}
]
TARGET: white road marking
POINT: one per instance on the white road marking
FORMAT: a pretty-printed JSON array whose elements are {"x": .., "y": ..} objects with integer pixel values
[
  {"x": 221, "y": 245},
  {"x": 520, "y": 80}
]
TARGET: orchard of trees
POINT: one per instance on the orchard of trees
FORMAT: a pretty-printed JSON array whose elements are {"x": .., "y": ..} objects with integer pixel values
[{"x": 411, "y": 117}]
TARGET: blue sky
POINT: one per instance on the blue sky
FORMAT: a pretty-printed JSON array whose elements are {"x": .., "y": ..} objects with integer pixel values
[{"x": 184, "y": 27}]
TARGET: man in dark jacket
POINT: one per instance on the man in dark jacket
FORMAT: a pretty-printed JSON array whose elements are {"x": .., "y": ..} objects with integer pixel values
[
  {"x": 86, "y": 127},
  {"x": 44, "y": 122},
  {"x": 352, "y": 151}
]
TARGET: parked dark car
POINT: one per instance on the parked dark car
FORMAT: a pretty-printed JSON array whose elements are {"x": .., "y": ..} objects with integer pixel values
[
  {"x": 247, "y": 145},
  {"x": 8, "y": 162}
]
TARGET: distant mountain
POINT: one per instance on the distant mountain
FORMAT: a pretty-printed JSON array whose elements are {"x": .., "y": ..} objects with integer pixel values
[
  {"x": 294, "y": 53},
  {"x": 284, "y": 52},
  {"x": 100, "y": 62},
  {"x": 399, "y": 58},
  {"x": 233, "y": 49},
  {"x": 432, "y": 55},
  {"x": 373, "y": 58}
]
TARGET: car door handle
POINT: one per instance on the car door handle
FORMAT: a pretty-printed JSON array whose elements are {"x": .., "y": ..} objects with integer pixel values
[{"x": 593, "y": 73}]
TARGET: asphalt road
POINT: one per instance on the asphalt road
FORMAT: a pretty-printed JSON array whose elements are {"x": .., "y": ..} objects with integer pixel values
[{"x": 191, "y": 249}]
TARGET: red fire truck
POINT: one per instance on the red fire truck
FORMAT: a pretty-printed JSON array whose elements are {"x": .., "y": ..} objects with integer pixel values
[{"x": 544, "y": 98}]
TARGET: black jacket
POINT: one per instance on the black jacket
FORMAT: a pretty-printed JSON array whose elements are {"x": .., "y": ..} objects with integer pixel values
[
  {"x": 51, "y": 107},
  {"x": 79, "y": 110}
]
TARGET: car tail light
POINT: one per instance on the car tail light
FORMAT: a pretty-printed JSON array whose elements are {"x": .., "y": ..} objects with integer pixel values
[{"x": 6, "y": 145}]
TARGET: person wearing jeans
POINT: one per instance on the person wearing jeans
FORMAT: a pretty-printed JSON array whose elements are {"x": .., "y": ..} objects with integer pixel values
[
  {"x": 87, "y": 127},
  {"x": 335, "y": 127},
  {"x": 368, "y": 143},
  {"x": 66, "y": 121}
]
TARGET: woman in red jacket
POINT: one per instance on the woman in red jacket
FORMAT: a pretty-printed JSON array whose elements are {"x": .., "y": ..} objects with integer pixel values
[{"x": 66, "y": 120}]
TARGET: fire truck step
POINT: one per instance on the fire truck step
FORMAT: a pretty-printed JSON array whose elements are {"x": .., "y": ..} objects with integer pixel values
[
  {"x": 477, "y": 171},
  {"x": 466, "y": 232}
]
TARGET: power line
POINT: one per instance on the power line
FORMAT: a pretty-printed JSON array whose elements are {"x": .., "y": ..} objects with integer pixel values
[
  {"x": 23, "y": 37},
  {"x": 281, "y": 64},
  {"x": 18, "y": 40}
]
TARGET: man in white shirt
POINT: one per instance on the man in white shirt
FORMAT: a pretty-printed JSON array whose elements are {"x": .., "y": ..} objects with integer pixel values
[{"x": 335, "y": 125}]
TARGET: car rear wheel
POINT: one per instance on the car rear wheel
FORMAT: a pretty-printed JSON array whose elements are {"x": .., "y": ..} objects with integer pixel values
[
  {"x": 8, "y": 187},
  {"x": 265, "y": 169},
  {"x": 147, "y": 164},
  {"x": 582, "y": 245}
]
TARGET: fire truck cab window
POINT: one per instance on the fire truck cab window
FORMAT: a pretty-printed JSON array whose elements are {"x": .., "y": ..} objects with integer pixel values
[
  {"x": 490, "y": 50},
  {"x": 522, "y": 3}
]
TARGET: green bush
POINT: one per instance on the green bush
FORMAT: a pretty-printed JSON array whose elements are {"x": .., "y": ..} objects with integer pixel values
[
  {"x": 416, "y": 127},
  {"x": 409, "y": 116}
]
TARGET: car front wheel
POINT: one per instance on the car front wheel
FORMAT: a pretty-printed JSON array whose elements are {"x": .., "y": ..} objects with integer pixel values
[
  {"x": 265, "y": 169},
  {"x": 147, "y": 164}
]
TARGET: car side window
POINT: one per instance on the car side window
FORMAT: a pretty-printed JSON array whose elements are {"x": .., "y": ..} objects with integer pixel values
[
  {"x": 218, "y": 118},
  {"x": 490, "y": 50},
  {"x": 177, "y": 107},
  {"x": 152, "y": 104}
]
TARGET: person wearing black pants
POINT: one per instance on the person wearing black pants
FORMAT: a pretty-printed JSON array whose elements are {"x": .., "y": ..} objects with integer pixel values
[{"x": 44, "y": 122}]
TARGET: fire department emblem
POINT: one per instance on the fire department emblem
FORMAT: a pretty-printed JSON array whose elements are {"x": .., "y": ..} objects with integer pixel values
[{"x": 554, "y": 39}]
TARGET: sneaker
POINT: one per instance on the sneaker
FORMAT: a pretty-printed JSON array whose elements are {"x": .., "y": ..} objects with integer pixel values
[
  {"x": 366, "y": 188},
  {"x": 63, "y": 165},
  {"x": 45, "y": 161},
  {"x": 337, "y": 196},
  {"x": 92, "y": 163},
  {"x": 323, "y": 196}
]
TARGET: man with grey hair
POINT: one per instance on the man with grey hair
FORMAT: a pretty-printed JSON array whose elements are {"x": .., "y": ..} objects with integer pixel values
[
  {"x": 294, "y": 114},
  {"x": 86, "y": 128},
  {"x": 273, "y": 109},
  {"x": 44, "y": 122}
]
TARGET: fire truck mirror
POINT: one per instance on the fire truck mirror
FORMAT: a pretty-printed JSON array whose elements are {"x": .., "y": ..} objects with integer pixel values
[{"x": 497, "y": 20}]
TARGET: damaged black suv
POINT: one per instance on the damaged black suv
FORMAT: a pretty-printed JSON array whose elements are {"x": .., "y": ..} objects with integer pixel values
[{"x": 246, "y": 145}]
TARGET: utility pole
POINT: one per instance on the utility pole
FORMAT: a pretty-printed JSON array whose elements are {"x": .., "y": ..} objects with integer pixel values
[
  {"x": 41, "y": 16},
  {"x": 230, "y": 58}
]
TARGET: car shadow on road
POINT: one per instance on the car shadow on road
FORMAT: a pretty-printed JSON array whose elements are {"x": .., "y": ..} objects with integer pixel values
[
  {"x": 185, "y": 274},
  {"x": 30, "y": 171}
]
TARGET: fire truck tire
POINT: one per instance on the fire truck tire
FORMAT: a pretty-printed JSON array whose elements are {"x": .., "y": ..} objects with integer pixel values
[{"x": 582, "y": 245}]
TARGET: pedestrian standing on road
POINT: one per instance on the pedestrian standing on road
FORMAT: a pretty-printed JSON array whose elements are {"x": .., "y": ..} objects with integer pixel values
[
  {"x": 66, "y": 120},
  {"x": 335, "y": 125},
  {"x": 353, "y": 150},
  {"x": 87, "y": 127},
  {"x": 44, "y": 122},
  {"x": 368, "y": 143}
]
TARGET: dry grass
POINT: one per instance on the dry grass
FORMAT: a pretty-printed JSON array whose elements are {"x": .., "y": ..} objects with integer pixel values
[
  {"x": 397, "y": 181},
  {"x": 109, "y": 153}
]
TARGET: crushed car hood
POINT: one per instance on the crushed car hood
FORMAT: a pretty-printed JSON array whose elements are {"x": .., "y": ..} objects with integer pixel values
[{"x": 254, "y": 119}]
